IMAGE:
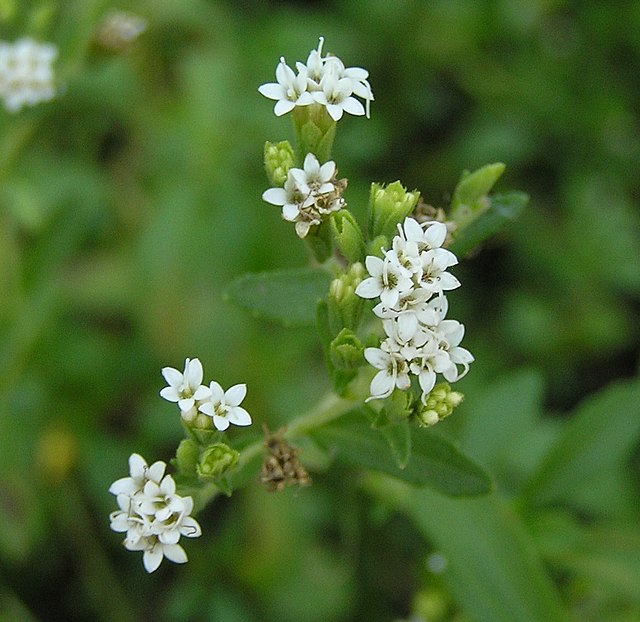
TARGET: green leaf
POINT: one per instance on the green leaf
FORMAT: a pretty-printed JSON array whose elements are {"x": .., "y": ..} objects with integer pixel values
[
  {"x": 503, "y": 209},
  {"x": 491, "y": 565},
  {"x": 286, "y": 296},
  {"x": 434, "y": 461},
  {"x": 398, "y": 436},
  {"x": 473, "y": 187},
  {"x": 598, "y": 438}
]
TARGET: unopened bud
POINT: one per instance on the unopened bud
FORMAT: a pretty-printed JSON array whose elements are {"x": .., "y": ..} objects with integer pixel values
[
  {"x": 346, "y": 351},
  {"x": 347, "y": 235},
  {"x": 345, "y": 308},
  {"x": 388, "y": 206},
  {"x": 278, "y": 159},
  {"x": 215, "y": 461},
  {"x": 438, "y": 404},
  {"x": 187, "y": 456}
]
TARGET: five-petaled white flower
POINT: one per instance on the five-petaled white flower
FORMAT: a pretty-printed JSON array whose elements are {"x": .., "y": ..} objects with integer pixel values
[
  {"x": 184, "y": 387},
  {"x": 224, "y": 406},
  {"x": 152, "y": 514}
]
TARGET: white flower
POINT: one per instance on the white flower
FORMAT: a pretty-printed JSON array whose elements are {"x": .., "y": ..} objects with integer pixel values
[
  {"x": 323, "y": 80},
  {"x": 393, "y": 372},
  {"x": 152, "y": 514},
  {"x": 184, "y": 387},
  {"x": 224, "y": 406},
  {"x": 433, "y": 275},
  {"x": 26, "y": 73},
  {"x": 309, "y": 194},
  {"x": 388, "y": 279},
  {"x": 289, "y": 90},
  {"x": 336, "y": 95}
]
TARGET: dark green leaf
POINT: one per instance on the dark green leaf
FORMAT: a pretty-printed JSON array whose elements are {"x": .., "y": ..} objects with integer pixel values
[
  {"x": 503, "y": 209},
  {"x": 490, "y": 563},
  {"x": 398, "y": 436},
  {"x": 434, "y": 461},
  {"x": 598, "y": 438},
  {"x": 286, "y": 296}
]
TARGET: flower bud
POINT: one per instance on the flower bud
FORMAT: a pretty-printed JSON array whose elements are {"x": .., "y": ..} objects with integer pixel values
[
  {"x": 278, "y": 159},
  {"x": 398, "y": 406},
  {"x": 187, "y": 456},
  {"x": 347, "y": 235},
  {"x": 345, "y": 308},
  {"x": 346, "y": 350},
  {"x": 438, "y": 405},
  {"x": 388, "y": 206},
  {"x": 215, "y": 461}
]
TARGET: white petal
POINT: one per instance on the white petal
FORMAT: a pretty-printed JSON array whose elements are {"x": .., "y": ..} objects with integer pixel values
[
  {"x": 376, "y": 357},
  {"x": 123, "y": 486},
  {"x": 275, "y": 196},
  {"x": 170, "y": 394},
  {"x": 156, "y": 471},
  {"x": 217, "y": 393},
  {"x": 283, "y": 106},
  {"x": 353, "y": 106},
  {"x": 190, "y": 528},
  {"x": 186, "y": 404},
  {"x": 427, "y": 380},
  {"x": 335, "y": 111},
  {"x": 194, "y": 373},
  {"x": 272, "y": 90},
  {"x": 175, "y": 553},
  {"x": 220, "y": 423},
  {"x": 382, "y": 384},
  {"x": 239, "y": 416},
  {"x": 172, "y": 376},
  {"x": 152, "y": 558},
  {"x": 369, "y": 288},
  {"x": 235, "y": 394}
]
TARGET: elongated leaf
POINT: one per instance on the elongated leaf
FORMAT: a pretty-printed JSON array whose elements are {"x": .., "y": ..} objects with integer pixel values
[
  {"x": 473, "y": 187},
  {"x": 597, "y": 439},
  {"x": 490, "y": 563},
  {"x": 286, "y": 296},
  {"x": 434, "y": 460},
  {"x": 503, "y": 209}
]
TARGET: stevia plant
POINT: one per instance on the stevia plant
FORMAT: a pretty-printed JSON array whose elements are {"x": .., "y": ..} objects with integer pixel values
[{"x": 378, "y": 294}]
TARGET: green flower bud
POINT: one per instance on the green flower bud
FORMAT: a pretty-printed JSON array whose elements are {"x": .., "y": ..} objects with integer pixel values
[
  {"x": 470, "y": 196},
  {"x": 346, "y": 350},
  {"x": 315, "y": 131},
  {"x": 215, "y": 461},
  {"x": 388, "y": 206},
  {"x": 347, "y": 235},
  {"x": 344, "y": 307},
  {"x": 278, "y": 159},
  {"x": 377, "y": 246},
  {"x": 187, "y": 456},
  {"x": 438, "y": 405}
]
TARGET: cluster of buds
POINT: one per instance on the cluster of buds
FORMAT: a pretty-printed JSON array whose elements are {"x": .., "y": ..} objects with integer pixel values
[
  {"x": 204, "y": 406},
  {"x": 323, "y": 80},
  {"x": 152, "y": 515},
  {"x": 410, "y": 280},
  {"x": 26, "y": 73},
  {"x": 309, "y": 195},
  {"x": 281, "y": 466}
]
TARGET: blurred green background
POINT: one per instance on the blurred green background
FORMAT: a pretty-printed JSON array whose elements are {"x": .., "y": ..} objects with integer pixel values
[{"x": 129, "y": 202}]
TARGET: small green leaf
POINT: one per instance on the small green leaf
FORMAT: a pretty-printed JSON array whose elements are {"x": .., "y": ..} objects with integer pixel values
[
  {"x": 503, "y": 209},
  {"x": 434, "y": 461},
  {"x": 286, "y": 296},
  {"x": 472, "y": 187},
  {"x": 598, "y": 439}
]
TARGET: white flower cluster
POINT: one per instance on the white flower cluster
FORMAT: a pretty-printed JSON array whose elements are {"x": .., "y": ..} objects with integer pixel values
[
  {"x": 151, "y": 513},
  {"x": 323, "y": 80},
  {"x": 309, "y": 194},
  {"x": 193, "y": 397},
  {"x": 26, "y": 73},
  {"x": 410, "y": 281}
]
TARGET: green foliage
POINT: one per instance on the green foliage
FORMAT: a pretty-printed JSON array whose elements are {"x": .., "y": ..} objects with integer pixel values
[
  {"x": 434, "y": 461},
  {"x": 287, "y": 296},
  {"x": 131, "y": 201}
]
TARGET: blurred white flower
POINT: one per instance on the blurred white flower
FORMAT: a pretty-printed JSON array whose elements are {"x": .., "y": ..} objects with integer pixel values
[{"x": 26, "y": 73}]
